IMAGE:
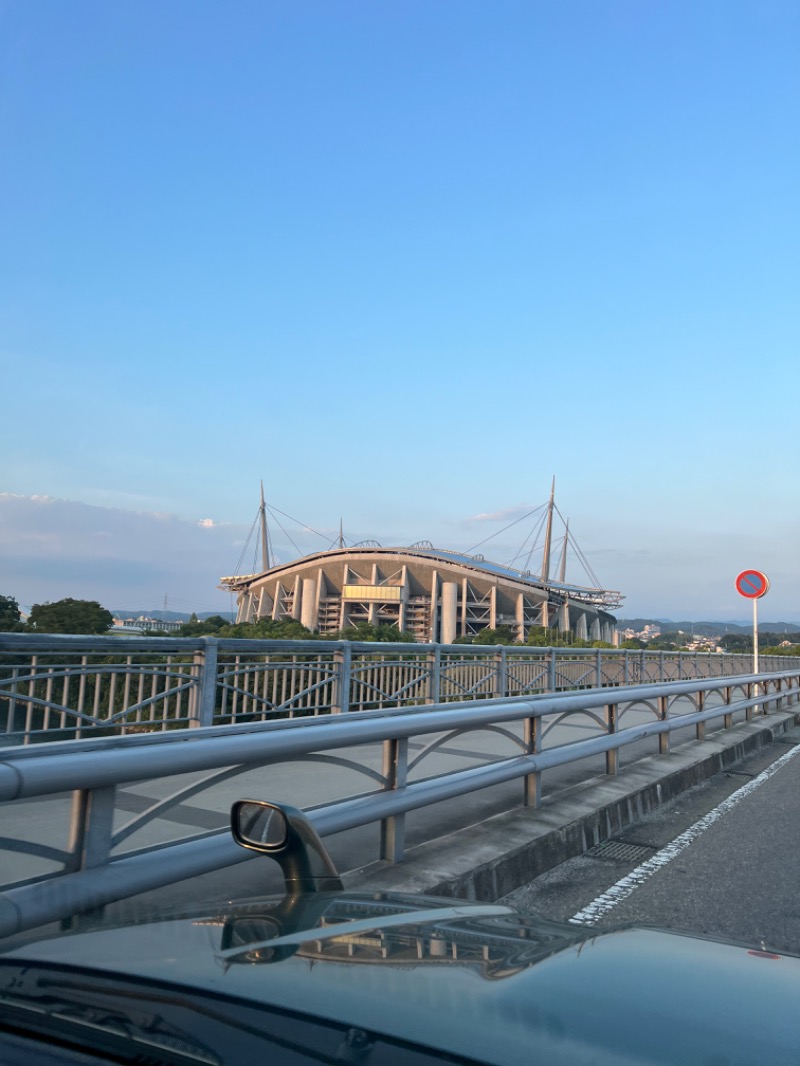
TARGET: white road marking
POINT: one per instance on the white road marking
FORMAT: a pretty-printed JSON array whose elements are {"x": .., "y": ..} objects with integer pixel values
[{"x": 606, "y": 901}]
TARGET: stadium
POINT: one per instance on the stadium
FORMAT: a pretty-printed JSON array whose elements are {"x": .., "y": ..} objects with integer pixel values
[{"x": 433, "y": 594}]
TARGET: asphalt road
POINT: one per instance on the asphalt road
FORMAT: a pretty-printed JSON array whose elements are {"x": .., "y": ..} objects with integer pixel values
[{"x": 722, "y": 860}]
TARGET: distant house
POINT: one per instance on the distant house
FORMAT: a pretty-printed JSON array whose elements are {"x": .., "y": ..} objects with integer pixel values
[{"x": 145, "y": 624}]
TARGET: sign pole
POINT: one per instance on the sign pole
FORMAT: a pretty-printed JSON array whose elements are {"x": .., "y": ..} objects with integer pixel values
[
  {"x": 753, "y": 584},
  {"x": 757, "y": 691}
]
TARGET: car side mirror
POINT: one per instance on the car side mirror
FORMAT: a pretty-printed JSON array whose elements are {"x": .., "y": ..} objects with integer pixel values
[{"x": 287, "y": 835}]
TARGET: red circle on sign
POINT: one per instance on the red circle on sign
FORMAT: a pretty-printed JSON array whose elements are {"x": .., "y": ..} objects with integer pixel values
[{"x": 752, "y": 584}]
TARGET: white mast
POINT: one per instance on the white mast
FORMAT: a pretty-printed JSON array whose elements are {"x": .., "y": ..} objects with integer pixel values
[
  {"x": 548, "y": 534},
  {"x": 262, "y": 511},
  {"x": 562, "y": 574}
]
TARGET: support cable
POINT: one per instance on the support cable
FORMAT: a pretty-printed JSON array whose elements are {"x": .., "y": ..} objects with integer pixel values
[{"x": 499, "y": 531}]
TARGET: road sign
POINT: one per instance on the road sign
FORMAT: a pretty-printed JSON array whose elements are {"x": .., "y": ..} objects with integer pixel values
[{"x": 752, "y": 584}]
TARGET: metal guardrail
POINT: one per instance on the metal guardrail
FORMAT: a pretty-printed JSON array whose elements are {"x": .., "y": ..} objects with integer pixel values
[
  {"x": 95, "y": 868},
  {"x": 54, "y": 688}
]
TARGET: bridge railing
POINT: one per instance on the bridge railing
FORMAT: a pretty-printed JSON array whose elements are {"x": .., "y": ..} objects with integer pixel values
[
  {"x": 100, "y": 860},
  {"x": 54, "y": 688}
]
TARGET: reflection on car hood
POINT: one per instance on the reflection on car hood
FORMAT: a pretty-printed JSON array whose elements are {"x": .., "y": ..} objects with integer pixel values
[{"x": 479, "y": 981}]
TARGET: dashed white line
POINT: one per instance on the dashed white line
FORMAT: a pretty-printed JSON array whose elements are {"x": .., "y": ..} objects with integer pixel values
[{"x": 606, "y": 901}]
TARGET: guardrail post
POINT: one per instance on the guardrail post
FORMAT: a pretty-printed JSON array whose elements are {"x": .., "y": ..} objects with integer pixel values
[
  {"x": 502, "y": 673},
  {"x": 342, "y": 659},
  {"x": 663, "y": 714},
  {"x": 532, "y": 783},
  {"x": 395, "y": 772},
  {"x": 598, "y": 669},
  {"x": 626, "y": 669},
  {"x": 434, "y": 675},
  {"x": 551, "y": 671},
  {"x": 727, "y": 720},
  {"x": 748, "y": 714},
  {"x": 612, "y": 755},
  {"x": 206, "y": 662},
  {"x": 680, "y": 665},
  {"x": 700, "y": 728},
  {"x": 91, "y": 828},
  {"x": 779, "y": 690}
]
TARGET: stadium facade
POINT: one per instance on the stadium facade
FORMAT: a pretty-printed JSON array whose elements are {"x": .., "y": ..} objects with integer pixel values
[{"x": 432, "y": 594}]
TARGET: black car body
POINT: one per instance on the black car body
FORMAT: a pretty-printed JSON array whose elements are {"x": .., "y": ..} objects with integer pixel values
[{"x": 331, "y": 976}]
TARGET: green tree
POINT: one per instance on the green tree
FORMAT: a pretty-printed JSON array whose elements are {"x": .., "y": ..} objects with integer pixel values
[
  {"x": 368, "y": 633},
  {"x": 9, "y": 615},
  {"x": 503, "y": 634},
  {"x": 539, "y": 637},
  {"x": 734, "y": 642},
  {"x": 633, "y": 644},
  {"x": 70, "y": 616},
  {"x": 266, "y": 629},
  {"x": 209, "y": 627}
]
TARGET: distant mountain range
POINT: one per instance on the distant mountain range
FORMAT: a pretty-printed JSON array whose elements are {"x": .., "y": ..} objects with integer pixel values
[
  {"x": 667, "y": 625},
  {"x": 706, "y": 629},
  {"x": 175, "y": 616}
]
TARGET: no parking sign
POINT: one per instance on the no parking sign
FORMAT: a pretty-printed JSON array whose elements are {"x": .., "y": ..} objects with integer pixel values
[{"x": 752, "y": 584}]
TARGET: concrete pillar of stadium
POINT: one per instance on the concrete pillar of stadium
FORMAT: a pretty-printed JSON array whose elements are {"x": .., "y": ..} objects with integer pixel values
[
  {"x": 278, "y": 603},
  {"x": 520, "y": 617},
  {"x": 434, "y": 607},
  {"x": 264, "y": 603},
  {"x": 308, "y": 611},
  {"x": 581, "y": 631},
  {"x": 297, "y": 598},
  {"x": 404, "y": 594},
  {"x": 373, "y": 609},
  {"x": 563, "y": 617},
  {"x": 595, "y": 629},
  {"x": 449, "y": 611}
]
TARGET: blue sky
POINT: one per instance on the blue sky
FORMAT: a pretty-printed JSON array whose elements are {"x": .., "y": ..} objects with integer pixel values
[{"x": 405, "y": 261}]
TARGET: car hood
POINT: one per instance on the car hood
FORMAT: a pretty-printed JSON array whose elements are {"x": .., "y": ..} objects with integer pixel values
[{"x": 479, "y": 981}]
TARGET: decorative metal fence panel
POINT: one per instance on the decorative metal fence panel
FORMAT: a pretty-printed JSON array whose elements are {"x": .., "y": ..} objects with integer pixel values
[
  {"x": 99, "y": 857},
  {"x": 54, "y": 688}
]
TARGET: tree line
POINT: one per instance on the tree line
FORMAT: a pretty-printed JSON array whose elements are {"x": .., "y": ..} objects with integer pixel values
[
  {"x": 63, "y": 616},
  {"x": 90, "y": 617}
]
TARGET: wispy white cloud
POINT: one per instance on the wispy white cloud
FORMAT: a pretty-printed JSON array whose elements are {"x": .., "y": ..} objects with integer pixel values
[
  {"x": 51, "y": 548},
  {"x": 507, "y": 514}
]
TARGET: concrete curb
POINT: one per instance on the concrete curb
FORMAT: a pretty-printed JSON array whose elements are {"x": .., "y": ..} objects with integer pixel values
[{"x": 490, "y": 859}]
